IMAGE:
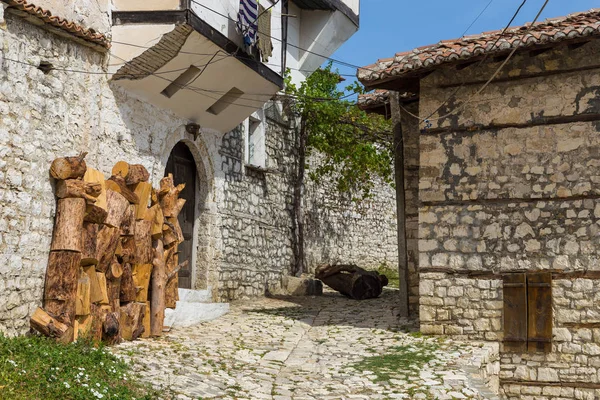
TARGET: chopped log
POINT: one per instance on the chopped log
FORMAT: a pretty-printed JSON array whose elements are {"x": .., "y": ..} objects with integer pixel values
[
  {"x": 132, "y": 320},
  {"x": 110, "y": 329},
  {"x": 155, "y": 215},
  {"x": 143, "y": 191},
  {"x": 169, "y": 234},
  {"x": 141, "y": 280},
  {"x": 128, "y": 290},
  {"x": 114, "y": 291},
  {"x": 132, "y": 173},
  {"x": 89, "y": 240},
  {"x": 82, "y": 307},
  {"x": 98, "y": 315},
  {"x": 177, "y": 228},
  {"x": 117, "y": 206},
  {"x": 83, "y": 327},
  {"x": 74, "y": 188},
  {"x": 168, "y": 196},
  {"x": 68, "y": 167},
  {"x": 146, "y": 321},
  {"x": 128, "y": 224},
  {"x": 98, "y": 211},
  {"x": 103, "y": 285},
  {"x": 179, "y": 206},
  {"x": 108, "y": 239},
  {"x": 352, "y": 281},
  {"x": 115, "y": 271},
  {"x": 96, "y": 295},
  {"x": 117, "y": 184},
  {"x": 153, "y": 198},
  {"x": 47, "y": 325},
  {"x": 143, "y": 242},
  {"x": 128, "y": 249},
  {"x": 174, "y": 274},
  {"x": 171, "y": 288},
  {"x": 158, "y": 284},
  {"x": 60, "y": 292},
  {"x": 68, "y": 225}
]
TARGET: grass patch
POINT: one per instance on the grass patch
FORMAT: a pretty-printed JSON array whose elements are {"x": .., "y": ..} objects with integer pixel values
[
  {"x": 38, "y": 368},
  {"x": 399, "y": 360},
  {"x": 391, "y": 273}
]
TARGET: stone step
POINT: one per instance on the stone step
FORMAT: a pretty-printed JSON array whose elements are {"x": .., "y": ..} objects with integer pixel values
[
  {"x": 195, "y": 296},
  {"x": 189, "y": 314}
]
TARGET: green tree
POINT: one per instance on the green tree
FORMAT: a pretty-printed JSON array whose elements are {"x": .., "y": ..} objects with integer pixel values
[{"x": 353, "y": 147}]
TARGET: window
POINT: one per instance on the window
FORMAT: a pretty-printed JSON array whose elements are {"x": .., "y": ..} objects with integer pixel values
[
  {"x": 256, "y": 152},
  {"x": 528, "y": 312}
]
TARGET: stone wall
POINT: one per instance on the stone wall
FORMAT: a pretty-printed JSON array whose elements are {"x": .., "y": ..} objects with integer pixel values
[
  {"x": 510, "y": 184},
  {"x": 94, "y": 14}
]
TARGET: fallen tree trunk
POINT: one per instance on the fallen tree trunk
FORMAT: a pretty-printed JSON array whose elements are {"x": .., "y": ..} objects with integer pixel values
[{"x": 352, "y": 281}]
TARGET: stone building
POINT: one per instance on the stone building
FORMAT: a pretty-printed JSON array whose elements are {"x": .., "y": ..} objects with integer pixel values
[
  {"x": 123, "y": 80},
  {"x": 508, "y": 196}
]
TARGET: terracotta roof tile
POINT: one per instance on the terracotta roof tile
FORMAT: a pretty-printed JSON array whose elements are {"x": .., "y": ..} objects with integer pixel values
[
  {"x": 553, "y": 30},
  {"x": 380, "y": 98},
  {"x": 45, "y": 17}
]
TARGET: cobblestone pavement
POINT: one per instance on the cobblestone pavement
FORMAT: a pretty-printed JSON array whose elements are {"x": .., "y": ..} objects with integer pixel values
[{"x": 321, "y": 348}]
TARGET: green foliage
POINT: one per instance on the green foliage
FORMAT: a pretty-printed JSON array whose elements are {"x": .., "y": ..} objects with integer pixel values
[
  {"x": 391, "y": 273},
  {"x": 354, "y": 146},
  {"x": 39, "y": 368}
]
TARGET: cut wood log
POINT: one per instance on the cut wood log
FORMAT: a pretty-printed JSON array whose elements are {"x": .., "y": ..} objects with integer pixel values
[
  {"x": 89, "y": 238},
  {"x": 114, "y": 290},
  {"x": 98, "y": 315},
  {"x": 69, "y": 167},
  {"x": 174, "y": 221},
  {"x": 132, "y": 173},
  {"x": 128, "y": 249},
  {"x": 132, "y": 320},
  {"x": 110, "y": 329},
  {"x": 60, "y": 292},
  {"x": 143, "y": 242},
  {"x": 128, "y": 289},
  {"x": 95, "y": 214},
  {"x": 115, "y": 271},
  {"x": 155, "y": 215},
  {"x": 141, "y": 280},
  {"x": 117, "y": 206},
  {"x": 168, "y": 196},
  {"x": 75, "y": 188},
  {"x": 171, "y": 288},
  {"x": 68, "y": 225},
  {"x": 98, "y": 211},
  {"x": 154, "y": 198},
  {"x": 179, "y": 206},
  {"x": 174, "y": 274},
  {"x": 158, "y": 284},
  {"x": 117, "y": 184},
  {"x": 146, "y": 322},
  {"x": 169, "y": 234},
  {"x": 128, "y": 224},
  {"x": 96, "y": 295},
  {"x": 103, "y": 285},
  {"x": 83, "y": 327},
  {"x": 47, "y": 325},
  {"x": 143, "y": 191},
  {"x": 82, "y": 307},
  {"x": 108, "y": 239},
  {"x": 352, "y": 281}
]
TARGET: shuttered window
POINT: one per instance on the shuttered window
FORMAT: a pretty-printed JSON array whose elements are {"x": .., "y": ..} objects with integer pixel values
[{"x": 528, "y": 312}]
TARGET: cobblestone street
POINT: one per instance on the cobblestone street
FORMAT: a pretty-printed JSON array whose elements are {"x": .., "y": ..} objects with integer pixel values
[{"x": 325, "y": 347}]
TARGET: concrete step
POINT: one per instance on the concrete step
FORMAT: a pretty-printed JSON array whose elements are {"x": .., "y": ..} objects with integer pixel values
[
  {"x": 195, "y": 296},
  {"x": 194, "y": 307}
]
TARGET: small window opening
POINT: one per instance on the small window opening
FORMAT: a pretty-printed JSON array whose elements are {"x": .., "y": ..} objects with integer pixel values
[
  {"x": 256, "y": 154},
  {"x": 45, "y": 67}
]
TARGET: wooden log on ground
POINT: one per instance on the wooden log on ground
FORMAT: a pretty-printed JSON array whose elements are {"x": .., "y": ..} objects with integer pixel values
[
  {"x": 146, "y": 321},
  {"x": 141, "y": 279},
  {"x": 117, "y": 206},
  {"x": 132, "y": 173},
  {"x": 68, "y": 167},
  {"x": 128, "y": 224},
  {"x": 117, "y": 184},
  {"x": 128, "y": 290},
  {"x": 132, "y": 320},
  {"x": 82, "y": 307},
  {"x": 60, "y": 292},
  {"x": 83, "y": 327},
  {"x": 47, "y": 325},
  {"x": 143, "y": 242},
  {"x": 143, "y": 191},
  {"x": 352, "y": 281},
  {"x": 96, "y": 295},
  {"x": 111, "y": 329},
  {"x": 103, "y": 285},
  {"x": 96, "y": 212},
  {"x": 107, "y": 242},
  {"x": 75, "y": 188},
  {"x": 68, "y": 225},
  {"x": 89, "y": 240},
  {"x": 168, "y": 196},
  {"x": 171, "y": 288},
  {"x": 158, "y": 285}
]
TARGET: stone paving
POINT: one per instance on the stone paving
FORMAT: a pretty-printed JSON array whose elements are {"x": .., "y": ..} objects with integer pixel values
[{"x": 326, "y": 347}]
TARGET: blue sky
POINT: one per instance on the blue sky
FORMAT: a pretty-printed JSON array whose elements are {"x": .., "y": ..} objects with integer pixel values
[{"x": 391, "y": 26}]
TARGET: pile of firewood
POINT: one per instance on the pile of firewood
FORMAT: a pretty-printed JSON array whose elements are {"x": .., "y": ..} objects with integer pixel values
[{"x": 113, "y": 263}]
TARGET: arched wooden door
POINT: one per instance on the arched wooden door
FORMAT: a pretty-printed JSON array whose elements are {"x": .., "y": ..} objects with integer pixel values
[{"x": 183, "y": 167}]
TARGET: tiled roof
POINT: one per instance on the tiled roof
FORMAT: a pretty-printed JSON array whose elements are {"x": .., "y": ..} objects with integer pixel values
[
  {"x": 422, "y": 59},
  {"x": 44, "y": 17},
  {"x": 380, "y": 98}
]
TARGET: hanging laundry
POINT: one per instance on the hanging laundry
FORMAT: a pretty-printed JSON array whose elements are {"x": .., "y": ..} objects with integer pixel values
[
  {"x": 265, "y": 45},
  {"x": 247, "y": 17}
]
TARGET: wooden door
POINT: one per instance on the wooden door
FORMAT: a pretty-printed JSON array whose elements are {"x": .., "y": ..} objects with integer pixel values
[{"x": 181, "y": 164}]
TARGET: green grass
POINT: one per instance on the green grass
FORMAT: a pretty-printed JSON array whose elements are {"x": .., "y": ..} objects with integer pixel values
[
  {"x": 38, "y": 368},
  {"x": 391, "y": 273},
  {"x": 398, "y": 361}
]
